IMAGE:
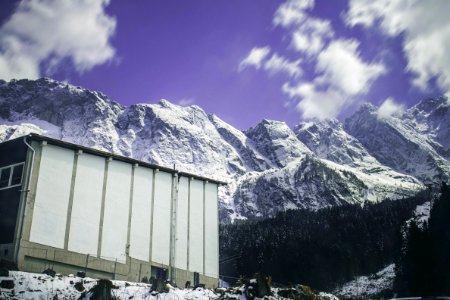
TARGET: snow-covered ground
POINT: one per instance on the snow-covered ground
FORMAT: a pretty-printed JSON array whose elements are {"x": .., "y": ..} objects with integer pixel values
[
  {"x": 32, "y": 286},
  {"x": 40, "y": 286},
  {"x": 365, "y": 286}
]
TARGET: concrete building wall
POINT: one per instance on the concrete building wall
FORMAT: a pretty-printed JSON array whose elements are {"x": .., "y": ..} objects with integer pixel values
[
  {"x": 87, "y": 202},
  {"x": 161, "y": 218},
  {"x": 141, "y": 214},
  {"x": 211, "y": 229},
  {"x": 196, "y": 226},
  {"x": 116, "y": 206},
  {"x": 52, "y": 196},
  {"x": 181, "y": 237}
]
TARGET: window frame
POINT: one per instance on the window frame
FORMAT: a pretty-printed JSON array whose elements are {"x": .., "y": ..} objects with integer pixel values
[{"x": 11, "y": 172}]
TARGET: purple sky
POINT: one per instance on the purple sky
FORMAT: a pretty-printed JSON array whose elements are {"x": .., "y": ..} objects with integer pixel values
[{"x": 193, "y": 52}]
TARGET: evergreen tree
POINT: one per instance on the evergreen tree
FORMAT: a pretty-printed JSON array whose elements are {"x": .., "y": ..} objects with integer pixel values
[
  {"x": 439, "y": 231},
  {"x": 423, "y": 267},
  {"x": 319, "y": 248}
]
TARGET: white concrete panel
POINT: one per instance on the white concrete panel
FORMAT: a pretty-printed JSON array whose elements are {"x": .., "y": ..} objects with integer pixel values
[
  {"x": 52, "y": 196},
  {"x": 196, "y": 227},
  {"x": 115, "y": 219},
  {"x": 211, "y": 231},
  {"x": 141, "y": 214},
  {"x": 182, "y": 224},
  {"x": 161, "y": 218},
  {"x": 87, "y": 202}
]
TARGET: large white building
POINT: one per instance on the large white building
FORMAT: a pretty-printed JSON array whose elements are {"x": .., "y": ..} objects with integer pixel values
[{"x": 72, "y": 208}]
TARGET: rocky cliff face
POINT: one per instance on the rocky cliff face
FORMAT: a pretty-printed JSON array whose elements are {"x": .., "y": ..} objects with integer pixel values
[
  {"x": 404, "y": 143},
  {"x": 269, "y": 167}
]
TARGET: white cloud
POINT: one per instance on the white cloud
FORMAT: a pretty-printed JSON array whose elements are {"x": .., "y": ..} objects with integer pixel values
[
  {"x": 259, "y": 58},
  {"x": 40, "y": 34},
  {"x": 186, "y": 101},
  {"x": 343, "y": 76},
  {"x": 342, "y": 67},
  {"x": 278, "y": 64},
  {"x": 255, "y": 58},
  {"x": 389, "y": 108},
  {"x": 311, "y": 36},
  {"x": 308, "y": 34},
  {"x": 317, "y": 103},
  {"x": 448, "y": 97},
  {"x": 292, "y": 12},
  {"x": 426, "y": 30}
]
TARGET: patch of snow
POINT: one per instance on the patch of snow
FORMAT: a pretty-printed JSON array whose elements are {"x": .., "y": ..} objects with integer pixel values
[
  {"x": 32, "y": 286},
  {"x": 420, "y": 216},
  {"x": 366, "y": 286},
  {"x": 40, "y": 286}
]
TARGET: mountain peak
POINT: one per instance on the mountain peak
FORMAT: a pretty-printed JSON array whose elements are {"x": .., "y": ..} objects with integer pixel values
[
  {"x": 367, "y": 108},
  {"x": 166, "y": 103},
  {"x": 276, "y": 140},
  {"x": 273, "y": 122},
  {"x": 432, "y": 118},
  {"x": 328, "y": 139},
  {"x": 404, "y": 143}
]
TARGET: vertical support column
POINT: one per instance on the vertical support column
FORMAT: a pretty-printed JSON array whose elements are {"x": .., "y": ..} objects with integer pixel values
[
  {"x": 173, "y": 227},
  {"x": 31, "y": 195},
  {"x": 204, "y": 223},
  {"x": 153, "y": 212},
  {"x": 130, "y": 212},
  {"x": 188, "y": 221},
  {"x": 217, "y": 232},
  {"x": 70, "y": 205},
  {"x": 102, "y": 211}
]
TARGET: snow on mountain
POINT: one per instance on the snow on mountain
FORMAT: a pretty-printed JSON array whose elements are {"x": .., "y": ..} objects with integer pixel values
[
  {"x": 267, "y": 167},
  {"x": 169, "y": 134},
  {"x": 396, "y": 142},
  {"x": 420, "y": 216},
  {"x": 253, "y": 160},
  {"x": 329, "y": 141},
  {"x": 432, "y": 118},
  {"x": 314, "y": 183},
  {"x": 366, "y": 287},
  {"x": 277, "y": 141}
]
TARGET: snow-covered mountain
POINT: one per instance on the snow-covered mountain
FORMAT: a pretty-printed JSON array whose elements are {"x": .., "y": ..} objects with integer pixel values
[
  {"x": 403, "y": 142},
  {"x": 432, "y": 118},
  {"x": 329, "y": 140},
  {"x": 268, "y": 167}
]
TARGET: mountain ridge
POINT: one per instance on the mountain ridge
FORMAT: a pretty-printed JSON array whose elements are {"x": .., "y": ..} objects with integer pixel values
[{"x": 269, "y": 167}]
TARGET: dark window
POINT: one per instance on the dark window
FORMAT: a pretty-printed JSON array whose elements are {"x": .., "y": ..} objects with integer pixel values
[
  {"x": 17, "y": 175},
  {"x": 11, "y": 176},
  {"x": 4, "y": 177},
  {"x": 9, "y": 208}
]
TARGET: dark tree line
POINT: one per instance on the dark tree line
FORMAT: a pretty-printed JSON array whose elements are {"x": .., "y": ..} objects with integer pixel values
[
  {"x": 319, "y": 248},
  {"x": 423, "y": 267}
]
